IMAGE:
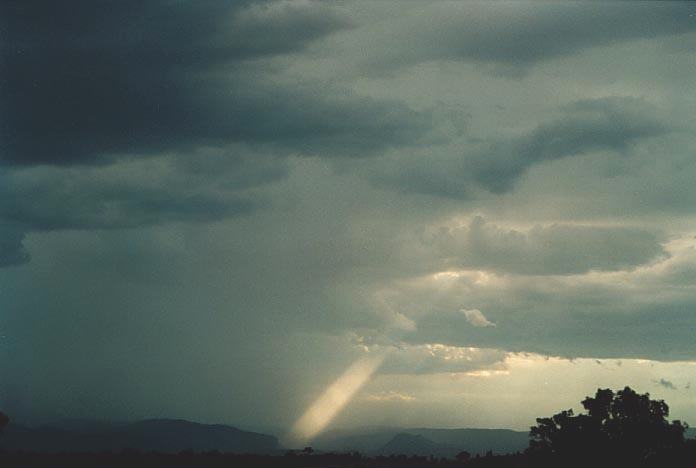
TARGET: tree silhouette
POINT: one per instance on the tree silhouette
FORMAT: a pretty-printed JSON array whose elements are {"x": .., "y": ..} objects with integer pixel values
[{"x": 626, "y": 425}]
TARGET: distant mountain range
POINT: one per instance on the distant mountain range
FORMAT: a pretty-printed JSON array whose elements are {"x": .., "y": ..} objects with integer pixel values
[
  {"x": 172, "y": 435},
  {"x": 160, "y": 435},
  {"x": 411, "y": 444},
  {"x": 423, "y": 441}
]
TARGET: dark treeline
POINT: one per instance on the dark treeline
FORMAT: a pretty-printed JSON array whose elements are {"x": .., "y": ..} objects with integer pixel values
[{"x": 681, "y": 457}]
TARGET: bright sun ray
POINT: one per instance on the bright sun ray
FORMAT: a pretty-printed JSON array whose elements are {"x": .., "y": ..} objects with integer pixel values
[
  {"x": 343, "y": 389},
  {"x": 334, "y": 399}
]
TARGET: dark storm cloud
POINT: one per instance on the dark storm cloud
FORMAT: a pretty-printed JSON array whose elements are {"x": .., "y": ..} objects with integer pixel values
[
  {"x": 202, "y": 187},
  {"x": 99, "y": 79},
  {"x": 517, "y": 35},
  {"x": 126, "y": 208},
  {"x": 547, "y": 250},
  {"x": 105, "y": 83},
  {"x": 205, "y": 186},
  {"x": 605, "y": 124}
]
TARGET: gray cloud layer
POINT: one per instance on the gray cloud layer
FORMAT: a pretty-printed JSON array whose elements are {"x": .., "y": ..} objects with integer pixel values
[
  {"x": 547, "y": 250},
  {"x": 606, "y": 124},
  {"x": 515, "y": 36}
]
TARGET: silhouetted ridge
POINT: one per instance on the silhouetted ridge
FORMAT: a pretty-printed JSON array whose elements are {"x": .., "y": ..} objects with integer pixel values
[
  {"x": 160, "y": 435},
  {"x": 371, "y": 441},
  {"x": 477, "y": 441},
  {"x": 411, "y": 444}
]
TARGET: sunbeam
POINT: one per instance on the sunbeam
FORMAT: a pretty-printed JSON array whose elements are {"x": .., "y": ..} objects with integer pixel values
[{"x": 334, "y": 399}]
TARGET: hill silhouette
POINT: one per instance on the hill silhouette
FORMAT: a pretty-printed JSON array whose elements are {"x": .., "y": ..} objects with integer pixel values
[
  {"x": 412, "y": 444},
  {"x": 159, "y": 435},
  {"x": 371, "y": 440}
]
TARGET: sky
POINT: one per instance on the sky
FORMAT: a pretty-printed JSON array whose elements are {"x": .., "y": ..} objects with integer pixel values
[{"x": 307, "y": 215}]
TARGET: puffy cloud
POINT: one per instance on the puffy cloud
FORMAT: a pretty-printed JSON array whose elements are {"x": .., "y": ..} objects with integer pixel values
[{"x": 476, "y": 318}]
